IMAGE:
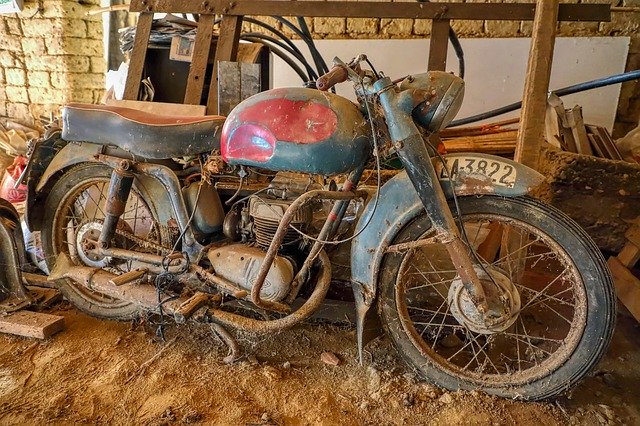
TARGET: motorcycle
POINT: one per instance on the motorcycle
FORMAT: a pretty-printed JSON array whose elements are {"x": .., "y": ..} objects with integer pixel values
[{"x": 238, "y": 221}]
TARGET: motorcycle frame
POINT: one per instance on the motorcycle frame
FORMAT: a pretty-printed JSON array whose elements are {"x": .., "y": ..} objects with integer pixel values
[{"x": 364, "y": 286}]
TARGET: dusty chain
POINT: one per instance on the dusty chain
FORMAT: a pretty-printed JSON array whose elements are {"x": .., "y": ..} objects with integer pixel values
[{"x": 146, "y": 244}]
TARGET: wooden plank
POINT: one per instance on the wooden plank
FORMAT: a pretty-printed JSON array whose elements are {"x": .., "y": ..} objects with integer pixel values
[
  {"x": 31, "y": 324},
  {"x": 534, "y": 104},
  {"x": 627, "y": 286},
  {"x": 138, "y": 56},
  {"x": 38, "y": 280},
  {"x": 578, "y": 131},
  {"x": 488, "y": 249},
  {"x": 633, "y": 235},
  {"x": 629, "y": 255},
  {"x": 200, "y": 60},
  {"x": 44, "y": 297},
  {"x": 438, "y": 45},
  {"x": 226, "y": 50},
  {"x": 370, "y": 9},
  {"x": 161, "y": 108}
]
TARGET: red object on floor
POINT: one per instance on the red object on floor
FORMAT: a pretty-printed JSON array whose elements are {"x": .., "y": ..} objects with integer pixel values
[{"x": 11, "y": 175}]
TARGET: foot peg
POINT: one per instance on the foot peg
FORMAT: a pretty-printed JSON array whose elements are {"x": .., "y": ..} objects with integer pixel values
[
  {"x": 191, "y": 305},
  {"x": 128, "y": 277}
]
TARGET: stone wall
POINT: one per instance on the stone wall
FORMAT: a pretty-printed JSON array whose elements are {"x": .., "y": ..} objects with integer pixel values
[{"x": 50, "y": 54}]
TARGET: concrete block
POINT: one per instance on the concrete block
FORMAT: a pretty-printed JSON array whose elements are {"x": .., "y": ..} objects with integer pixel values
[
  {"x": 396, "y": 27},
  {"x": 10, "y": 43},
  {"x": 69, "y": 80},
  {"x": 48, "y": 95},
  {"x": 14, "y": 26},
  {"x": 573, "y": 29},
  {"x": 74, "y": 46},
  {"x": 472, "y": 28},
  {"x": 38, "y": 79},
  {"x": 17, "y": 94},
  {"x": 502, "y": 28},
  {"x": 19, "y": 111},
  {"x": 7, "y": 59},
  {"x": 33, "y": 46},
  {"x": 98, "y": 65},
  {"x": 621, "y": 24},
  {"x": 15, "y": 76},
  {"x": 331, "y": 26},
  {"x": 422, "y": 27},
  {"x": 363, "y": 25}
]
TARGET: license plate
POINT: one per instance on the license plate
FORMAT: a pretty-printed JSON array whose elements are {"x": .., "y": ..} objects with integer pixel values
[{"x": 501, "y": 173}]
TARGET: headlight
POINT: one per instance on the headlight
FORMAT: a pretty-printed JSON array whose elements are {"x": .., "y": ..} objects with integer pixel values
[
  {"x": 442, "y": 107},
  {"x": 449, "y": 106}
]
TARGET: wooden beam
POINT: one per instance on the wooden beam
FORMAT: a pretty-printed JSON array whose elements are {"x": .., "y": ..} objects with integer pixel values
[
  {"x": 226, "y": 50},
  {"x": 534, "y": 103},
  {"x": 138, "y": 56},
  {"x": 200, "y": 60},
  {"x": 31, "y": 324},
  {"x": 627, "y": 286},
  {"x": 438, "y": 45},
  {"x": 369, "y": 9}
]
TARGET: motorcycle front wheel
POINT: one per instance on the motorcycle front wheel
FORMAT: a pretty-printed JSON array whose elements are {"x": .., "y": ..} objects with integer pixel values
[
  {"x": 74, "y": 213},
  {"x": 561, "y": 296}
]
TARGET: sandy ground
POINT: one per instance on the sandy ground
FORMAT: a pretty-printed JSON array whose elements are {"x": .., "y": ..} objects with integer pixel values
[{"x": 103, "y": 372}]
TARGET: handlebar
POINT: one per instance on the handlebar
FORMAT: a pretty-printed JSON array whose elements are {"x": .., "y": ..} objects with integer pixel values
[{"x": 338, "y": 74}]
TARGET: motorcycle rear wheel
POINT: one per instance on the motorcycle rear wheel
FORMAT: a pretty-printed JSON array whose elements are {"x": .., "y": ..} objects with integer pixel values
[
  {"x": 77, "y": 200},
  {"x": 564, "y": 321}
]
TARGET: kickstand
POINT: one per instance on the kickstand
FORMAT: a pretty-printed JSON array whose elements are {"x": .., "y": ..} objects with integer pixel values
[{"x": 230, "y": 341}]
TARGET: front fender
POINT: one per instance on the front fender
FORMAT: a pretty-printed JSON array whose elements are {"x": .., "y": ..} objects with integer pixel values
[{"x": 399, "y": 204}]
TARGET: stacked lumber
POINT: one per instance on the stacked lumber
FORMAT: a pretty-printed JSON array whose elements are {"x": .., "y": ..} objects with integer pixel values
[
  {"x": 497, "y": 138},
  {"x": 566, "y": 129},
  {"x": 626, "y": 282}
]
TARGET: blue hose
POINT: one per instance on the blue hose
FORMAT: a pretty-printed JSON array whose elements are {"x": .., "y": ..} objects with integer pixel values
[{"x": 580, "y": 87}]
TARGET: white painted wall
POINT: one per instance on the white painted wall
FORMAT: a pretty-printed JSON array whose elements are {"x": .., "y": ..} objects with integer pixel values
[{"x": 495, "y": 69}]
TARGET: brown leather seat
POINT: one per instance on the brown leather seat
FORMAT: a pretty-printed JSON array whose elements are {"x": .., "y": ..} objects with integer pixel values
[{"x": 141, "y": 133}]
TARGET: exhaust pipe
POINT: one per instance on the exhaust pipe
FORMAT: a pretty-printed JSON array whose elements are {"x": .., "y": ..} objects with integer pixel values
[{"x": 101, "y": 281}]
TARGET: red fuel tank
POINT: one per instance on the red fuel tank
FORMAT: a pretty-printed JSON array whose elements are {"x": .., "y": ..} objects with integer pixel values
[{"x": 296, "y": 129}]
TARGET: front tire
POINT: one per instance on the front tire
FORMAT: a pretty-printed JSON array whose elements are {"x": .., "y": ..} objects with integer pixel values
[
  {"x": 75, "y": 205},
  {"x": 566, "y": 311}
]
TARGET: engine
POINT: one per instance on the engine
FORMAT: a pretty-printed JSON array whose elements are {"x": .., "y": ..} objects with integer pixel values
[{"x": 254, "y": 226}]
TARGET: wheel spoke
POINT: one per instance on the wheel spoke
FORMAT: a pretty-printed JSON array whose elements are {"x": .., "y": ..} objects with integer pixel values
[{"x": 529, "y": 345}]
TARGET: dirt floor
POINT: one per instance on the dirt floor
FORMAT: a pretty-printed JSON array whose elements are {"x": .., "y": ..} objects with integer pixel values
[{"x": 103, "y": 372}]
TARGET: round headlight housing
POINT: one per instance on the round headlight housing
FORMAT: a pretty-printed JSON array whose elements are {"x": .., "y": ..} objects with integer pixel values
[{"x": 440, "y": 109}]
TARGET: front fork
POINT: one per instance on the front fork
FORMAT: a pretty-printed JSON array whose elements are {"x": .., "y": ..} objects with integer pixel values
[{"x": 412, "y": 150}]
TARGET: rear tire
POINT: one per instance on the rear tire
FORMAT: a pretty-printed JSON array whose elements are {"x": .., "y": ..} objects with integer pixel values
[
  {"x": 71, "y": 203},
  {"x": 532, "y": 361}
]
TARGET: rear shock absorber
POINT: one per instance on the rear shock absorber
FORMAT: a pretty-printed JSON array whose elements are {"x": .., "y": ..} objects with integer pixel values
[{"x": 119, "y": 189}]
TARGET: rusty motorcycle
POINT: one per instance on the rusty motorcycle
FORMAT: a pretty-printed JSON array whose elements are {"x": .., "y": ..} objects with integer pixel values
[{"x": 478, "y": 285}]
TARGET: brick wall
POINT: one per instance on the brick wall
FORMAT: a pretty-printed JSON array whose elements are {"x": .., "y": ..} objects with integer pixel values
[{"x": 48, "y": 58}]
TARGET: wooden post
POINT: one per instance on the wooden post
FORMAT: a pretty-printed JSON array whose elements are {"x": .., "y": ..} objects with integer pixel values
[
  {"x": 439, "y": 44},
  {"x": 200, "y": 60},
  {"x": 531, "y": 134},
  {"x": 138, "y": 56},
  {"x": 226, "y": 50}
]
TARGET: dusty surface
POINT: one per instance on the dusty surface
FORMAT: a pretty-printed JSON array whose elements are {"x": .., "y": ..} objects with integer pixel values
[
  {"x": 600, "y": 194},
  {"x": 103, "y": 372}
]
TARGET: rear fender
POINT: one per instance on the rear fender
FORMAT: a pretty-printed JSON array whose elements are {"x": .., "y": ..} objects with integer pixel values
[
  {"x": 399, "y": 204},
  {"x": 72, "y": 154}
]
